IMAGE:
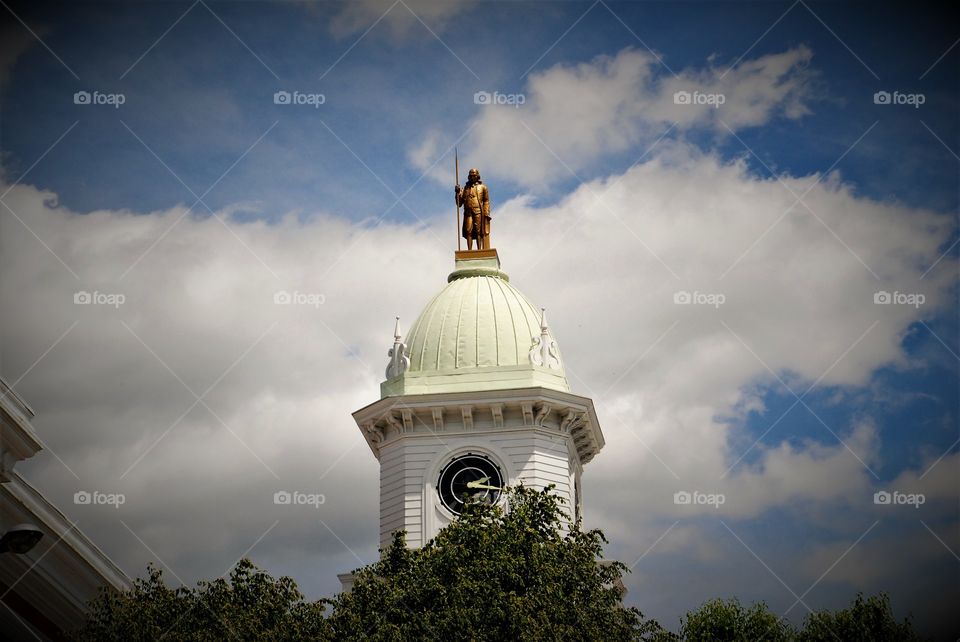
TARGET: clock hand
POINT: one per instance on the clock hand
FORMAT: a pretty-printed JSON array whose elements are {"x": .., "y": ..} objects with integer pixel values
[
  {"x": 478, "y": 485},
  {"x": 475, "y": 482}
]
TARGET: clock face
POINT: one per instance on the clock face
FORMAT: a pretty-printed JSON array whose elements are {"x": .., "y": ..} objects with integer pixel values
[{"x": 472, "y": 475}]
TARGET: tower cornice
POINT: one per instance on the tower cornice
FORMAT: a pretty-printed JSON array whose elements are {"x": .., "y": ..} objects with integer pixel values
[{"x": 449, "y": 414}]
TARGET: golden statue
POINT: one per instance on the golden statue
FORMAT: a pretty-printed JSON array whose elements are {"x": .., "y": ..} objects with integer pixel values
[{"x": 475, "y": 199}]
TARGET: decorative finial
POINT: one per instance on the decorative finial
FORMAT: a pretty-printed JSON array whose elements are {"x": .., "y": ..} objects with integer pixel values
[
  {"x": 545, "y": 352},
  {"x": 399, "y": 361}
]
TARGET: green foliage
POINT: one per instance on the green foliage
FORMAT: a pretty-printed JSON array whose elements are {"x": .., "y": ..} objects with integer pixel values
[
  {"x": 250, "y": 605},
  {"x": 493, "y": 575},
  {"x": 867, "y": 620},
  {"x": 728, "y": 620}
]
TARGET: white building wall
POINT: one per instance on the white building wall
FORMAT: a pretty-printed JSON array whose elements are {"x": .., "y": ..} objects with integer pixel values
[
  {"x": 402, "y": 465},
  {"x": 411, "y": 463}
]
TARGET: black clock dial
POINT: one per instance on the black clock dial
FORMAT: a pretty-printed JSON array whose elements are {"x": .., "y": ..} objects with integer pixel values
[{"x": 470, "y": 468}]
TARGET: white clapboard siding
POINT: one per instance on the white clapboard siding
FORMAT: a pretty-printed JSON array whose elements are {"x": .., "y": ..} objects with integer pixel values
[{"x": 408, "y": 464}]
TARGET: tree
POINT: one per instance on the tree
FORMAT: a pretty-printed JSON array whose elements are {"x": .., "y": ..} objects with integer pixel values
[
  {"x": 867, "y": 620},
  {"x": 250, "y": 605},
  {"x": 493, "y": 574},
  {"x": 729, "y": 620}
]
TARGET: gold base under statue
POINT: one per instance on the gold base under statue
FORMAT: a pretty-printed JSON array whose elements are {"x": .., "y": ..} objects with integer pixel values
[
  {"x": 465, "y": 255},
  {"x": 477, "y": 263}
]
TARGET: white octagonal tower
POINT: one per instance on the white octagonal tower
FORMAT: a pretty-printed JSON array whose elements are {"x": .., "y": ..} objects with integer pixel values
[{"x": 478, "y": 400}]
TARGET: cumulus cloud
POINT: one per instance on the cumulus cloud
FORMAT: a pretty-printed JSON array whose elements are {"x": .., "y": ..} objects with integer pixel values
[
  {"x": 572, "y": 115},
  {"x": 674, "y": 382}
]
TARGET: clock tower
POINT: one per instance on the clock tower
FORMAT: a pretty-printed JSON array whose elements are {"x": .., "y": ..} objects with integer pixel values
[{"x": 475, "y": 399}]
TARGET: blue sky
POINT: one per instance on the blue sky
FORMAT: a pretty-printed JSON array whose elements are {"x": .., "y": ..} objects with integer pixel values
[
  {"x": 202, "y": 98},
  {"x": 198, "y": 82}
]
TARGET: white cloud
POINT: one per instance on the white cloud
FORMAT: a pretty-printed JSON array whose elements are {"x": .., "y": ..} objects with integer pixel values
[
  {"x": 606, "y": 261},
  {"x": 576, "y": 114}
]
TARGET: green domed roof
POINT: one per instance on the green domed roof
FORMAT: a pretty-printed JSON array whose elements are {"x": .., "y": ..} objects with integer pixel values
[
  {"x": 478, "y": 333},
  {"x": 476, "y": 321}
]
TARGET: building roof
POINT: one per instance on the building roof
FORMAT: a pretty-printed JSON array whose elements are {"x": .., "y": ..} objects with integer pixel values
[
  {"x": 478, "y": 333},
  {"x": 45, "y": 591}
]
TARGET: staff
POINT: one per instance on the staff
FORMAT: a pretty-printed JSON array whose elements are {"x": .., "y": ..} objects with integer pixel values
[{"x": 456, "y": 172}]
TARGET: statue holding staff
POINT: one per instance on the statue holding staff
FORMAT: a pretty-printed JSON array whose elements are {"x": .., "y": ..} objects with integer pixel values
[{"x": 475, "y": 199}]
